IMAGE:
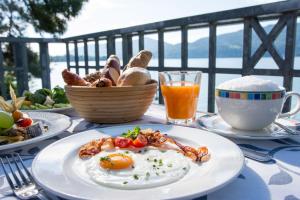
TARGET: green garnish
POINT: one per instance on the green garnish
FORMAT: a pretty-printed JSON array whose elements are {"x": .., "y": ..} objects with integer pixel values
[
  {"x": 127, "y": 152},
  {"x": 157, "y": 173},
  {"x": 160, "y": 162},
  {"x": 132, "y": 133},
  {"x": 135, "y": 176},
  {"x": 164, "y": 171},
  {"x": 184, "y": 168},
  {"x": 170, "y": 165},
  {"x": 155, "y": 160},
  {"x": 147, "y": 174},
  {"x": 106, "y": 158},
  {"x": 125, "y": 182}
]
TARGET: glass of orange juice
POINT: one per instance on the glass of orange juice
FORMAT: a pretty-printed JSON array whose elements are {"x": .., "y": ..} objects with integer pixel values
[{"x": 180, "y": 90}]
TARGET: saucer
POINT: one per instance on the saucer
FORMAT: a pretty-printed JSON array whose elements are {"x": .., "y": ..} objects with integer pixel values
[{"x": 214, "y": 123}]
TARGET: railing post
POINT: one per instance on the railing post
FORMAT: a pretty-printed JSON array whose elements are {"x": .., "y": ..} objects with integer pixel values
[
  {"x": 184, "y": 47},
  {"x": 86, "y": 56},
  {"x": 97, "y": 54},
  {"x": 247, "y": 45},
  {"x": 44, "y": 62},
  {"x": 126, "y": 48},
  {"x": 76, "y": 57},
  {"x": 212, "y": 67},
  {"x": 111, "y": 45},
  {"x": 290, "y": 43},
  {"x": 161, "y": 59},
  {"x": 141, "y": 41},
  {"x": 68, "y": 55},
  {"x": 2, "y": 81},
  {"x": 21, "y": 67}
]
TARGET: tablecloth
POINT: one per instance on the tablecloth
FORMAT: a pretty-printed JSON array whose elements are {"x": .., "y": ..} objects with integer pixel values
[{"x": 274, "y": 180}]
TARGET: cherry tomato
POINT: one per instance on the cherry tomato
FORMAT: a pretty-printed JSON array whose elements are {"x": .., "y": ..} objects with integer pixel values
[
  {"x": 140, "y": 141},
  {"x": 25, "y": 122},
  {"x": 123, "y": 142}
]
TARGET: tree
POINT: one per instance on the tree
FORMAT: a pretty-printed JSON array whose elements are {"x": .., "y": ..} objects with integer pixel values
[
  {"x": 45, "y": 16},
  {"x": 48, "y": 16}
]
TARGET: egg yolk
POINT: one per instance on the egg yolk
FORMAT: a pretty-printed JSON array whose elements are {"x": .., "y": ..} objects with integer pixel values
[{"x": 116, "y": 161}]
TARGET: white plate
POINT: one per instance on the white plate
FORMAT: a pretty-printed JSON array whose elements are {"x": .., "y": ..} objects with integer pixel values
[
  {"x": 59, "y": 170},
  {"x": 52, "y": 110},
  {"x": 57, "y": 123},
  {"x": 216, "y": 124}
]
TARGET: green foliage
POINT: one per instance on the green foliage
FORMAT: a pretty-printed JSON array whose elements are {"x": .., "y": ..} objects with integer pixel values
[
  {"x": 132, "y": 133},
  {"x": 59, "y": 95},
  {"x": 48, "y": 16},
  {"x": 45, "y": 16}
]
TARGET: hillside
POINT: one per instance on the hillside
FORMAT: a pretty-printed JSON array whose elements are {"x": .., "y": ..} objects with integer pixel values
[{"x": 228, "y": 45}]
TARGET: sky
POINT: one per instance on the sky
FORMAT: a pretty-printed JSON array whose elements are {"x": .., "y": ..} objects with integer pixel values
[{"x": 101, "y": 15}]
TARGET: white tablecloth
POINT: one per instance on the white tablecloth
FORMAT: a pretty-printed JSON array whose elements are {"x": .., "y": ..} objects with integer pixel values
[{"x": 276, "y": 180}]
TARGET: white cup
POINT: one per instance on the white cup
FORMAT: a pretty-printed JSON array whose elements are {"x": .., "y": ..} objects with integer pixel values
[{"x": 253, "y": 110}]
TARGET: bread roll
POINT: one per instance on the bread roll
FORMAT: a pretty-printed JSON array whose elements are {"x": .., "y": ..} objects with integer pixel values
[
  {"x": 134, "y": 76},
  {"x": 142, "y": 59}
]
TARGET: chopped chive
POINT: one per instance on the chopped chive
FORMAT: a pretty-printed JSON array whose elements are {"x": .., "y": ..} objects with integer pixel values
[
  {"x": 157, "y": 173},
  {"x": 170, "y": 165},
  {"x": 184, "y": 168},
  {"x": 160, "y": 162},
  {"x": 164, "y": 171},
  {"x": 125, "y": 182},
  {"x": 127, "y": 152},
  {"x": 155, "y": 160},
  {"x": 106, "y": 158},
  {"x": 135, "y": 176}
]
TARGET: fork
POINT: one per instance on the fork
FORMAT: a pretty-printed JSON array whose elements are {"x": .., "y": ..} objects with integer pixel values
[{"x": 24, "y": 187}]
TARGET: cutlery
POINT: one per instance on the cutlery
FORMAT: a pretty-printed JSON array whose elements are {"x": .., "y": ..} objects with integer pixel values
[
  {"x": 287, "y": 129},
  {"x": 22, "y": 184},
  {"x": 256, "y": 155}
]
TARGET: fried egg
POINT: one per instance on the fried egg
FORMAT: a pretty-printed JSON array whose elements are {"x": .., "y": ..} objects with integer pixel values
[{"x": 133, "y": 170}]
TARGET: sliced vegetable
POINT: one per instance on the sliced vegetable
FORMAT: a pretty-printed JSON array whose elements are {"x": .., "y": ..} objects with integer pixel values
[
  {"x": 140, "y": 141},
  {"x": 123, "y": 142},
  {"x": 6, "y": 120},
  {"x": 25, "y": 122}
]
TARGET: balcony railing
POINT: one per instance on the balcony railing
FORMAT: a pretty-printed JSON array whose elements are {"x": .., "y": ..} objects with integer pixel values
[{"x": 285, "y": 12}]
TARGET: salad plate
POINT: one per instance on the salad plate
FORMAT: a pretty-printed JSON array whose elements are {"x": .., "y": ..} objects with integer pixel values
[
  {"x": 215, "y": 123},
  {"x": 66, "y": 175},
  {"x": 55, "y": 123}
]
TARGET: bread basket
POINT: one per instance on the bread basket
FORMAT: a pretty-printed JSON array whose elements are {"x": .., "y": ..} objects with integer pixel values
[{"x": 111, "y": 104}]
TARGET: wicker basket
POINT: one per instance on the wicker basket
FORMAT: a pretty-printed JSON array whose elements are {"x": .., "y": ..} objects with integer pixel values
[{"x": 111, "y": 104}]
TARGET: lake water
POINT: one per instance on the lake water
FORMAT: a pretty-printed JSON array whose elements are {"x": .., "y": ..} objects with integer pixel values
[{"x": 264, "y": 63}]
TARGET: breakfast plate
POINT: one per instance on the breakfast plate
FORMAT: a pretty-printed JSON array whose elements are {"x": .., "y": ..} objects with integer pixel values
[
  {"x": 64, "y": 110},
  {"x": 67, "y": 175},
  {"x": 215, "y": 123},
  {"x": 55, "y": 123}
]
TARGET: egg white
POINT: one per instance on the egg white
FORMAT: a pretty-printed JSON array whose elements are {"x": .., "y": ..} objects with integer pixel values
[{"x": 152, "y": 168}]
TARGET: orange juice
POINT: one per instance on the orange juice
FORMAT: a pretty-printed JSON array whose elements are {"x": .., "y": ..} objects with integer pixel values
[{"x": 181, "y": 99}]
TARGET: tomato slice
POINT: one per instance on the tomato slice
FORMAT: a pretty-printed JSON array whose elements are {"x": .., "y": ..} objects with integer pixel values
[
  {"x": 123, "y": 142},
  {"x": 25, "y": 122},
  {"x": 140, "y": 141}
]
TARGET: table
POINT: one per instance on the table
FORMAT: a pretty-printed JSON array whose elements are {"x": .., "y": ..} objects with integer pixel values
[{"x": 278, "y": 180}]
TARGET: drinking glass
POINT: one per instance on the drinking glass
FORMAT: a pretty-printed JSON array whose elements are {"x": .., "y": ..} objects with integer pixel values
[{"x": 180, "y": 90}]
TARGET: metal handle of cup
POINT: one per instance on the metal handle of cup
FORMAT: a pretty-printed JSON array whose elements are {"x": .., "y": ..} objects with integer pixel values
[{"x": 295, "y": 109}]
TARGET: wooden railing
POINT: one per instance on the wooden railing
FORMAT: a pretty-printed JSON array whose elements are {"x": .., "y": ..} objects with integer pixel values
[{"x": 286, "y": 12}]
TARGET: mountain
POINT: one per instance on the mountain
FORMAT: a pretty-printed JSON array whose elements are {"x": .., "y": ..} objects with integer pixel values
[{"x": 228, "y": 45}]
